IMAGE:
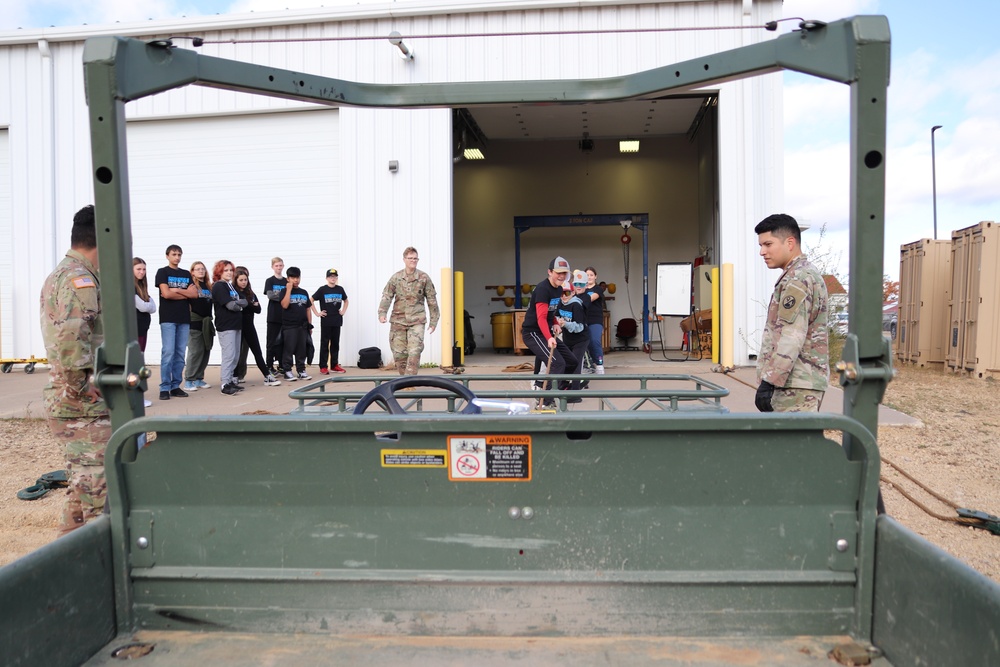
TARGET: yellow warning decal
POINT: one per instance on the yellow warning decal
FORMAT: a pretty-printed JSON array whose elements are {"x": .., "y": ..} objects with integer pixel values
[
  {"x": 489, "y": 458},
  {"x": 414, "y": 458}
]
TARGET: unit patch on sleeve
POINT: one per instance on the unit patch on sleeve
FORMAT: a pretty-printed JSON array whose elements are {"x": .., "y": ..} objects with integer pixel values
[{"x": 791, "y": 301}]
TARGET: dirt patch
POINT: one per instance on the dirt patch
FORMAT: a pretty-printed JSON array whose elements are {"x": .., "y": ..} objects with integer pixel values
[
  {"x": 27, "y": 451},
  {"x": 956, "y": 453}
]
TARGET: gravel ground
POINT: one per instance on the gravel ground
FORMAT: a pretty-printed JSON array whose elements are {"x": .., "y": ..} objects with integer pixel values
[{"x": 956, "y": 453}]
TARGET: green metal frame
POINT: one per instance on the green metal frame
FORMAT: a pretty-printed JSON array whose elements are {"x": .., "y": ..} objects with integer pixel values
[
  {"x": 667, "y": 393},
  {"x": 853, "y": 51}
]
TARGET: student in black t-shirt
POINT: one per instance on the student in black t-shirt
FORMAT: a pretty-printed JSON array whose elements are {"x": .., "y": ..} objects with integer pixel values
[
  {"x": 274, "y": 289},
  {"x": 330, "y": 304},
  {"x": 295, "y": 306},
  {"x": 542, "y": 324},
  {"x": 176, "y": 287}
]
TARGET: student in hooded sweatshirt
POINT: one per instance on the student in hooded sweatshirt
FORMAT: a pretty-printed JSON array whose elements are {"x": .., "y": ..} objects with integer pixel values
[
  {"x": 249, "y": 342},
  {"x": 202, "y": 333},
  {"x": 573, "y": 312},
  {"x": 228, "y": 322},
  {"x": 296, "y": 306}
]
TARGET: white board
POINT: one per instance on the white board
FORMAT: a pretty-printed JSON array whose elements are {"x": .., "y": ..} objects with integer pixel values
[{"x": 673, "y": 289}]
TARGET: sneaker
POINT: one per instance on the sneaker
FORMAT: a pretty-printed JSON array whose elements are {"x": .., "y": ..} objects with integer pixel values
[
  {"x": 600, "y": 369},
  {"x": 146, "y": 403},
  {"x": 241, "y": 380},
  {"x": 229, "y": 390},
  {"x": 290, "y": 376},
  {"x": 305, "y": 376},
  {"x": 236, "y": 386},
  {"x": 164, "y": 395},
  {"x": 338, "y": 369},
  {"x": 190, "y": 385},
  {"x": 179, "y": 393},
  {"x": 202, "y": 384},
  {"x": 588, "y": 370},
  {"x": 271, "y": 381},
  {"x": 324, "y": 371},
  {"x": 574, "y": 399}
]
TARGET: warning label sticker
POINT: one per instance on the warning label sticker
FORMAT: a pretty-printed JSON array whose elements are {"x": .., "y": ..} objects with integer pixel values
[
  {"x": 489, "y": 458},
  {"x": 414, "y": 458}
]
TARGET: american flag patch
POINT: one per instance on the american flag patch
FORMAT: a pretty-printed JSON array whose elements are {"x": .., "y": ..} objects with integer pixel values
[{"x": 83, "y": 281}]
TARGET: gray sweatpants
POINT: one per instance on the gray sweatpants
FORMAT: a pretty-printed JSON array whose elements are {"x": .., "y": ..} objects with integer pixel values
[{"x": 230, "y": 342}]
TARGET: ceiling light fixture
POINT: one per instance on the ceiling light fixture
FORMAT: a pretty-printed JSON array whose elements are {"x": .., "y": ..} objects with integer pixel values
[
  {"x": 628, "y": 146},
  {"x": 474, "y": 154}
]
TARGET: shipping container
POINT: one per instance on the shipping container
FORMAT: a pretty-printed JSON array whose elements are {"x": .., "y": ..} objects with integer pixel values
[
  {"x": 974, "y": 317},
  {"x": 924, "y": 294}
]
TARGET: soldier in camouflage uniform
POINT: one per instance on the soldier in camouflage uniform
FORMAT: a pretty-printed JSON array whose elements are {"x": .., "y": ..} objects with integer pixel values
[
  {"x": 72, "y": 331},
  {"x": 407, "y": 290},
  {"x": 794, "y": 360}
]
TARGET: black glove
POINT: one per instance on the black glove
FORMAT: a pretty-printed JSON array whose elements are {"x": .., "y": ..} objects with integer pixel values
[{"x": 763, "y": 398}]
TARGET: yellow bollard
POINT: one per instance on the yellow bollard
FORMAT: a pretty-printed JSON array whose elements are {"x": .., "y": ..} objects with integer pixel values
[
  {"x": 726, "y": 326},
  {"x": 446, "y": 327},
  {"x": 715, "y": 315},
  {"x": 460, "y": 318}
]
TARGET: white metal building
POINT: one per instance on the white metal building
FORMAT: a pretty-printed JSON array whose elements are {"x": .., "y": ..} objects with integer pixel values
[{"x": 245, "y": 178}]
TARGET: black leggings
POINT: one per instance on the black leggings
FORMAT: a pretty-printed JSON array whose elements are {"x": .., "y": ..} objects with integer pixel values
[{"x": 250, "y": 343}]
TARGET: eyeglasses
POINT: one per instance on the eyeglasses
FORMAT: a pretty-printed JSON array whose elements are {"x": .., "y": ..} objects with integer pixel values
[{"x": 413, "y": 259}]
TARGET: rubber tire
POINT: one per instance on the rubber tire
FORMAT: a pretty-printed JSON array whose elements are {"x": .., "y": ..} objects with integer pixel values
[
  {"x": 6, "y": 367},
  {"x": 29, "y": 369},
  {"x": 33, "y": 492}
]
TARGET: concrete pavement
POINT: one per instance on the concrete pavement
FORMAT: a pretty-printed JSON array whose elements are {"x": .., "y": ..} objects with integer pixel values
[{"x": 21, "y": 393}]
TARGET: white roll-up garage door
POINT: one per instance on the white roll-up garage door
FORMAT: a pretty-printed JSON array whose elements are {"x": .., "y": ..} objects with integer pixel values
[
  {"x": 6, "y": 258},
  {"x": 242, "y": 188}
]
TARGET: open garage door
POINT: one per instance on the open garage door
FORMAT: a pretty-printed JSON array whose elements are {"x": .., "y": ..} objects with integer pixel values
[{"x": 244, "y": 189}]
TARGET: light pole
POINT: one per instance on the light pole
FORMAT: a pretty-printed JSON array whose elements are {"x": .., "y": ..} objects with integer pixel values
[{"x": 934, "y": 178}]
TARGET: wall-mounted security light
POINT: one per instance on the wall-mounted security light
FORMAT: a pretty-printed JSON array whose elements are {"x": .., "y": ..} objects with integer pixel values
[
  {"x": 393, "y": 166},
  {"x": 396, "y": 40},
  {"x": 628, "y": 146}
]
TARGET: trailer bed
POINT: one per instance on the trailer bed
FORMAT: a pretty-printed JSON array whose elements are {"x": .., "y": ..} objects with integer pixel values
[{"x": 226, "y": 649}]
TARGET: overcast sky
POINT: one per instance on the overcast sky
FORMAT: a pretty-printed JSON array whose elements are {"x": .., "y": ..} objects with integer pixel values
[{"x": 945, "y": 71}]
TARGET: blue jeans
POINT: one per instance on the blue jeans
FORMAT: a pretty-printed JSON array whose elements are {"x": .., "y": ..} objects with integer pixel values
[
  {"x": 596, "y": 347},
  {"x": 174, "y": 339}
]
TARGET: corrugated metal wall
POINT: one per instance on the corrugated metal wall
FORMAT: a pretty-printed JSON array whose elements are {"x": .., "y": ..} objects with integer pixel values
[{"x": 49, "y": 143}]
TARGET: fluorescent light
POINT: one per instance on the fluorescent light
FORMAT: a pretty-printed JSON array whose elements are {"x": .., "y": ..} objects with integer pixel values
[
  {"x": 628, "y": 146},
  {"x": 474, "y": 154}
]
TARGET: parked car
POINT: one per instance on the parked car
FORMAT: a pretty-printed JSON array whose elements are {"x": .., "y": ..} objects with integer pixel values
[{"x": 838, "y": 323}]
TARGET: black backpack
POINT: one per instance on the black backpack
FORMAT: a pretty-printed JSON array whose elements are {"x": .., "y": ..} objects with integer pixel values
[{"x": 370, "y": 357}]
